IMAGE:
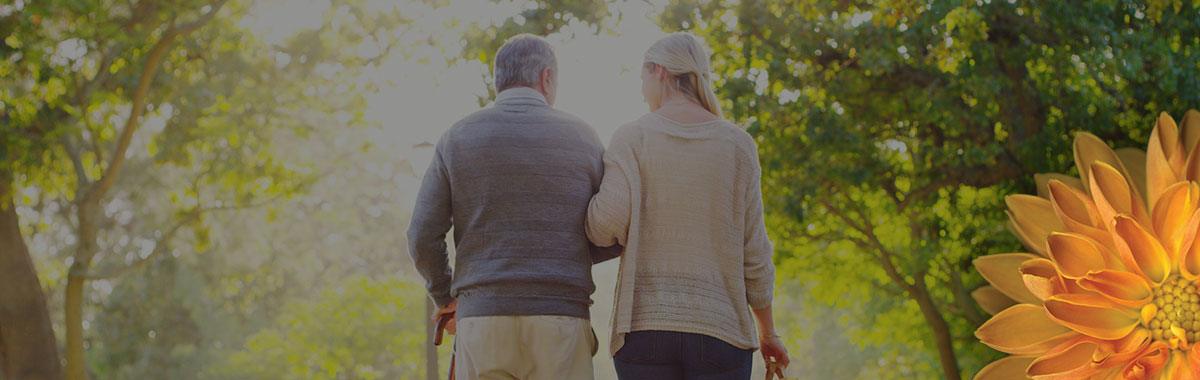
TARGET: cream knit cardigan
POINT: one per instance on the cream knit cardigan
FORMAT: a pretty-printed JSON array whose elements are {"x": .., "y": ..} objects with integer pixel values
[{"x": 686, "y": 203}]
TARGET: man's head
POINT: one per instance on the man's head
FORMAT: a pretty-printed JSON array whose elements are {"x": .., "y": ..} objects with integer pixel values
[{"x": 527, "y": 60}]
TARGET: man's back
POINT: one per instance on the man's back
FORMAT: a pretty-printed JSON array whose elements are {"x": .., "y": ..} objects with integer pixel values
[{"x": 516, "y": 179}]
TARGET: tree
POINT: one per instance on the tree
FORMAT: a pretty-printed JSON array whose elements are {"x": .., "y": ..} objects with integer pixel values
[
  {"x": 97, "y": 71},
  {"x": 890, "y": 130},
  {"x": 27, "y": 348},
  {"x": 27, "y": 342}
]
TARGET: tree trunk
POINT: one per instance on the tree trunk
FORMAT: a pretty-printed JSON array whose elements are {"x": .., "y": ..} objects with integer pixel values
[
  {"x": 940, "y": 329},
  {"x": 87, "y": 211},
  {"x": 73, "y": 306},
  {"x": 27, "y": 346}
]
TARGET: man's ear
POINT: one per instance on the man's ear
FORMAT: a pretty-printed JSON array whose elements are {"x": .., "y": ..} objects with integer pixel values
[{"x": 547, "y": 77}]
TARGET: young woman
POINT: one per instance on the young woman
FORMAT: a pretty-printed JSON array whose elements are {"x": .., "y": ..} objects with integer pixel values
[{"x": 681, "y": 193}]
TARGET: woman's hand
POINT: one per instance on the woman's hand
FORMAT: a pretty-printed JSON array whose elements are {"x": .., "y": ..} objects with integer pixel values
[
  {"x": 772, "y": 346},
  {"x": 773, "y": 351}
]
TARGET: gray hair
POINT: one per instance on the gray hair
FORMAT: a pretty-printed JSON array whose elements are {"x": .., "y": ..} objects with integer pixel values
[{"x": 519, "y": 63}]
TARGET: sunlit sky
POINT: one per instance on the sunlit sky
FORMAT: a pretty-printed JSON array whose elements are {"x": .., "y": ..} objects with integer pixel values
[{"x": 420, "y": 97}]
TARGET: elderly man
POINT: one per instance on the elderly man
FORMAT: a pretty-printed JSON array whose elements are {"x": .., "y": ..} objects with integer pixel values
[{"x": 514, "y": 180}]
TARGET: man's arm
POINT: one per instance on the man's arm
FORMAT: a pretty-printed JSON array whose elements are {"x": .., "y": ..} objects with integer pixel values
[
  {"x": 602, "y": 254},
  {"x": 431, "y": 220}
]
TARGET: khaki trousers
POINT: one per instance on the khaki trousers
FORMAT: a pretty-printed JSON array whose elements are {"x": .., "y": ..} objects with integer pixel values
[{"x": 536, "y": 347}]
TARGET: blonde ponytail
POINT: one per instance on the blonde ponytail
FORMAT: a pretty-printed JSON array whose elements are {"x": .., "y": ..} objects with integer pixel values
[
  {"x": 685, "y": 57},
  {"x": 708, "y": 97}
]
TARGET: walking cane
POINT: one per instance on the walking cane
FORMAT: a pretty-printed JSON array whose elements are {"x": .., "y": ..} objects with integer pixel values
[{"x": 437, "y": 338}]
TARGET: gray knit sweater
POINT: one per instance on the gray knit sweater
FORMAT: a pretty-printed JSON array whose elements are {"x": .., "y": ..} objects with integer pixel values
[{"x": 514, "y": 181}]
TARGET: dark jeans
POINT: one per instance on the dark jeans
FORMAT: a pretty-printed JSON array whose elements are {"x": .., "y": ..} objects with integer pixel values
[{"x": 668, "y": 355}]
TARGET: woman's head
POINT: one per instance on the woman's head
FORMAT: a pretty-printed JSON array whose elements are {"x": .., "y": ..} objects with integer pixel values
[{"x": 678, "y": 65}]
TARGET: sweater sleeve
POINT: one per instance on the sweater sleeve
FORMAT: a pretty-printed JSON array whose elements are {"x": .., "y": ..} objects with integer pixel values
[
  {"x": 430, "y": 222},
  {"x": 598, "y": 253},
  {"x": 759, "y": 269},
  {"x": 610, "y": 209}
]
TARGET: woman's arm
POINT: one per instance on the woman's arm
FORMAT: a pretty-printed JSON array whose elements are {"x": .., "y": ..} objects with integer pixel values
[
  {"x": 773, "y": 349},
  {"x": 759, "y": 269},
  {"x": 611, "y": 208},
  {"x": 766, "y": 322}
]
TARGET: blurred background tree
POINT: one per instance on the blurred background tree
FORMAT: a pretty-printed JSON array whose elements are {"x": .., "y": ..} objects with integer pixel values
[
  {"x": 203, "y": 199},
  {"x": 890, "y": 132},
  {"x": 167, "y": 108},
  {"x": 338, "y": 336}
]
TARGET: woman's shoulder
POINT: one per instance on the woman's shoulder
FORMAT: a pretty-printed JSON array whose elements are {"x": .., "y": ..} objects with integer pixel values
[
  {"x": 641, "y": 122},
  {"x": 735, "y": 133},
  {"x": 739, "y": 133},
  {"x": 747, "y": 147},
  {"x": 633, "y": 129},
  {"x": 720, "y": 129}
]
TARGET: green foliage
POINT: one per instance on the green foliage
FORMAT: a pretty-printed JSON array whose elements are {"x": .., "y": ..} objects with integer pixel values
[
  {"x": 142, "y": 119},
  {"x": 216, "y": 102},
  {"x": 362, "y": 329},
  {"x": 264, "y": 265},
  {"x": 163, "y": 325},
  {"x": 890, "y": 131}
]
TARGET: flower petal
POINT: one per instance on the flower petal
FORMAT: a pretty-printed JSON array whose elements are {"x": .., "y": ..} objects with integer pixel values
[
  {"x": 1042, "y": 278},
  {"x": 1113, "y": 195},
  {"x": 1189, "y": 130},
  {"x": 1075, "y": 255},
  {"x": 1145, "y": 252},
  {"x": 1124, "y": 288},
  {"x": 1189, "y": 263},
  {"x": 1175, "y": 206},
  {"x": 1178, "y": 367},
  {"x": 991, "y": 300},
  {"x": 1090, "y": 149},
  {"x": 1007, "y": 368},
  {"x": 1164, "y": 157},
  {"x": 1077, "y": 212},
  {"x": 1193, "y": 355},
  {"x": 1043, "y": 182},
  {"x": 1148, "y": 363},
  {"x": 1023, "y": 330},
  {"x": 1134, "y": 160},
  {"x": 1003, "y": 272},
  {"x": 1119, "y": 352},
  {"x": 1034, "y": 219},
  {"x": 1074, "y": 361},
  {"x": 1092, "y": 315},
  {"x": 1073, "y": 203},
  {"x": 1191, "y": 170}
]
